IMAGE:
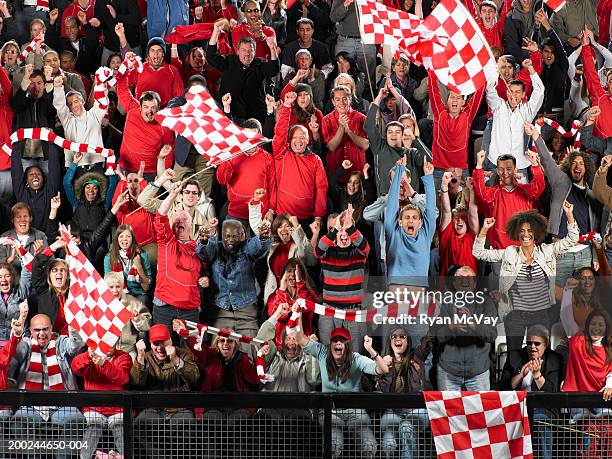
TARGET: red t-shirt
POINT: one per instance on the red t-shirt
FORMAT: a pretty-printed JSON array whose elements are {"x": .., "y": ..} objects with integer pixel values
[{"x": 455, "y": 250}]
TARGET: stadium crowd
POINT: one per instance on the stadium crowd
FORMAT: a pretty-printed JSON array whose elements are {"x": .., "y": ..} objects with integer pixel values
[{"x": 375, "y": 169}]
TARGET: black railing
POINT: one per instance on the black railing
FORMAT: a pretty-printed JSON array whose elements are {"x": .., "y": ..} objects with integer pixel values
[{"x": 132, "y": 401}]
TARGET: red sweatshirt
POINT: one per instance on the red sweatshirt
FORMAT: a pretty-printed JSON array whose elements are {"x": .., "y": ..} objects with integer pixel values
[
  {"x": 6, "y": 355},
  {"x": 293, "y": 120},
  {"x": 261, "y": 49},
  {"x": 178, "y": 268},
  {"x": 603, "y": 19},
  {"x": 599, "y": 97},
  {"x": 165, "y": 81},
  {"x": 495, "y": 34},
  {"x": 142, "y": 141},
  {"x": 501, "y": 204},
  {"x": 141, "y": 220},
  {"x": 242, "y": 176},
  {"x": 301, "y": 183},
  {"x": 73, "y": 10},
  {"x": 347, "y": 149},
  {"x": 281, "y": 296},
  {"x": 113, "y": 375},
  {"x": 451, "y": 134}
]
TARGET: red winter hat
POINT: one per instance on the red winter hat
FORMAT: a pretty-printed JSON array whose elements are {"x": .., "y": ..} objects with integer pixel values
[
  {"x": 340, "y": 332},
  {"x": 159, "y": 332}
]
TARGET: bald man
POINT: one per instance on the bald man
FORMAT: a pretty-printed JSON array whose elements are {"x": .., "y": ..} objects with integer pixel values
[{"x": 53, "y": 373}]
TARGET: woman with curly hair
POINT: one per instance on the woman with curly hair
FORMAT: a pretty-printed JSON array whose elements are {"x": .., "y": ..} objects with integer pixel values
[
  {"x": 405, "y": 375},
  {"x": 526, "y": 280}
]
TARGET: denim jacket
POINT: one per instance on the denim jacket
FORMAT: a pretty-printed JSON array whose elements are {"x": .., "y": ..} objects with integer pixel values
[{"x": 234, "y": 276}]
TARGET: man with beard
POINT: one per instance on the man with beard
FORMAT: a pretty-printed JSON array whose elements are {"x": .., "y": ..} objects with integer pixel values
[
  {"x": 42, "y": 362},
  {"x": 508, "y": 197},
  {"x": 164, "y": 368},
  {"x": 570, "y": 181},
  {"x": 343, "y": 252},
  {"x": 232, "y": 260},
  {"x": 143, "y": 137},
  {"x": 177, "y": 295},
  {"x": 156, "y": 76}
]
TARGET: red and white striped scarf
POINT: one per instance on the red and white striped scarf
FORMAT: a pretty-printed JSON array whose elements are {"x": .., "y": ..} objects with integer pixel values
[
  {"x": 29, "y": 48},
  {"x": 27, "y": 259},
  {"x": 198, "y": 331},
  {"x": 128, "y": 266},
  {"x": 574, "y": 132},
  {"x": 34, "y": 377}
]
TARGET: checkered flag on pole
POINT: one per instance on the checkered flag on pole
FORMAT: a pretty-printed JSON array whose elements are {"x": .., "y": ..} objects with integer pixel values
[
  {"x": 91, "y": 308},
  {"x": 202, "y": 123}
]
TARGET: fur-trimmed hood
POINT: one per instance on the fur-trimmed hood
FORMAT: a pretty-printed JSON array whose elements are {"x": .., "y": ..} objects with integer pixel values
[{"x": 79, "y": 184}]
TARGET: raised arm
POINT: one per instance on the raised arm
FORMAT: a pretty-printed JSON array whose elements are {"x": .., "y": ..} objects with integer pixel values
[{"x": 479, "y": 251}]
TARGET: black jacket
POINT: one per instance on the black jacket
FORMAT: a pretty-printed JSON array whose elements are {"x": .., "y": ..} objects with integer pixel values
[
  {"x": 243, "y": 83},
  {"x": 87, "y": 60},
  {"x": 554, "y": 76},
  {"x": 127, "y": 13},
  {"x": 39, "y": 201},
  {"x": 31, "y": 113}
]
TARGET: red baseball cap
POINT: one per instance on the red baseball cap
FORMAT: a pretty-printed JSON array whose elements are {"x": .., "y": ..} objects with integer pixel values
[
  {"x": 159, "y": 332},
  {"x": 340, "y": 332}
]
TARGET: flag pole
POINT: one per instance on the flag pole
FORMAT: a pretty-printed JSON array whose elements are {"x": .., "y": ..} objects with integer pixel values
[
  {"x": 187, "y": 178},
  {"x": 365, "y": 59}
]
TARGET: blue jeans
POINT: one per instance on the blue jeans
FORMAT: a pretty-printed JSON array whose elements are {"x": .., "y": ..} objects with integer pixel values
[
  {"x": 544, "y": 432},
  {"x": 358, "y": 424},
  {"x": 406, "y": 424},
  {"x": 70, "y": 419},
  {"x": 447, "y": 381},
  {"x": 570, "y": 262},
  {"x": 96, "y": 423},
  {"x": 163, "y": 16},
  {"x": 439, "y": 172}
]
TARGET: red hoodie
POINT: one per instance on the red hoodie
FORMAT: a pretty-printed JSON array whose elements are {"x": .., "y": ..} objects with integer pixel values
[
  {"x": 242, "y": 176},
  {"x": 301, "y": 183},
  {"x": 178, "y": 268},
  {"x": 113, "y": 375}
]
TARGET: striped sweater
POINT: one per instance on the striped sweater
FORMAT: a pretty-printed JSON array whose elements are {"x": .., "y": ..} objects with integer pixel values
[{"x": 343, "y": 268}]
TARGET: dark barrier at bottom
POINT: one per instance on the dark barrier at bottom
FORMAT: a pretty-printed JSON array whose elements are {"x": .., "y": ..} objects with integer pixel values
[{"x": 269, "y": 425}]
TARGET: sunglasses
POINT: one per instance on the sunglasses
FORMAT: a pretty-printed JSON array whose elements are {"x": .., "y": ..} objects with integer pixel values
[
  {"x": 195, "y": 193},
  {"x": 534, "y": 343},
  {"x": 252, "y": 10},
  {"x": 398, "y": 337}
]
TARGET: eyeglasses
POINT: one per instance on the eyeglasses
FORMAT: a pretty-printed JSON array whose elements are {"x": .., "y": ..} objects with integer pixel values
[
  {"x": 534, "y": 343},
  {"x": 194, "y": 193},
  {"x": 12, "y": 51},
  {"x": 252, "y": 10},
  {"x": 398, "y": 337},
  {"x": 40, "y": 330}
]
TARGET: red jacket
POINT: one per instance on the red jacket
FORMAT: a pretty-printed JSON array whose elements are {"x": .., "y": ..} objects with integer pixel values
[
  {"x": 113, "y": 375},
  {"x": 281, "y": 296},
  {"x": 347, "y": 149},
  {"x": 261, "y": 49},
  {"x": 6, "y": 115},
  {"x": 141, "y": 220},
  {"x": 213, "y": 368},
  {"x": 501, "y": 204},
  {"x": 450, "y": 135},
  {"x": 165, "y": 81},
  {"x": 6, "y": 355},
  {"x": 603, "y": 19},
  {"x": 293, "y": 120},
  {"x": 301, "y": 183},
  {"x": 242, "y": 176},
  {"x": 599, "y": 97},
  {"x": 142, "y": 141},
  {"x": 178, "y": 268},
  {"x": 494, "y": 35}
]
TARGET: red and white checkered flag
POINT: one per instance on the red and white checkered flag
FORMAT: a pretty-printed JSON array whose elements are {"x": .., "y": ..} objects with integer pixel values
[
  {"x": 464, "y": 62},
  {"x": 91, "y": 308},
  {"x": 479, "y": 424},
  {"x": 555, "y": 5},
  {"x": 381, "y": 25},
  {"x": 202, "y": 123}
]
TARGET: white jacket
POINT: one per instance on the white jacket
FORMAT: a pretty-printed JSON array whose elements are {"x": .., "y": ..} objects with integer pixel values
[
  {"x": 508, "y": 134},
  {"x": 86, "y": 128},
  {"x": 512, "y": 259}
]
